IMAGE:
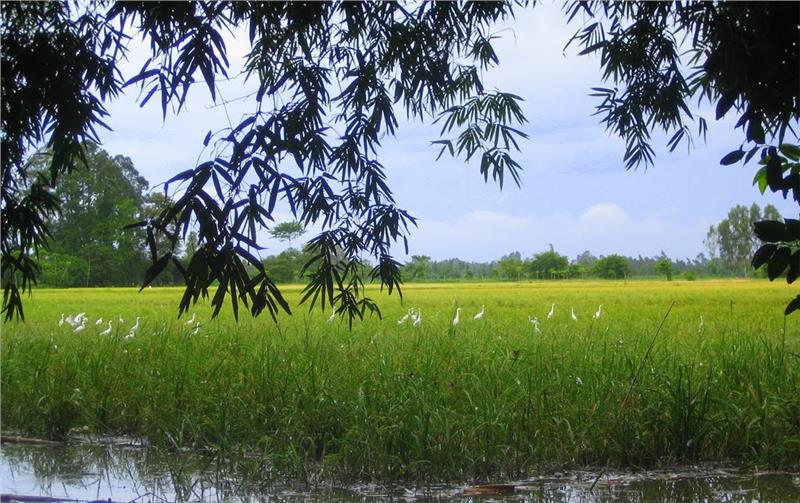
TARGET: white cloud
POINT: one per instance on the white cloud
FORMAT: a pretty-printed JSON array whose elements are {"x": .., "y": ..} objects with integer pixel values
[{"x": 603, "y": 218}]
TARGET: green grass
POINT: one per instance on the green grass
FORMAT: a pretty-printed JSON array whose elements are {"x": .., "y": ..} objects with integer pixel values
[{"x": 486, "y": 399}]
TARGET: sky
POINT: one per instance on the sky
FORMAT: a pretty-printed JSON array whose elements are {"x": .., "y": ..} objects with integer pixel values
[{"x": 575, "y": 193}]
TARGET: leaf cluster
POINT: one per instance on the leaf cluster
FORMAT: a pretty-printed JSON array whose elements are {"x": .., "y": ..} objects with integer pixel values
[
  {"x": 660, "y": 55},
  {"x": 780, "y": 172}
]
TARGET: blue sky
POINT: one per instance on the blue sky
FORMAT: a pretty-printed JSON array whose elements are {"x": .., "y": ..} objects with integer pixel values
[{"x": 575, "y": 194}]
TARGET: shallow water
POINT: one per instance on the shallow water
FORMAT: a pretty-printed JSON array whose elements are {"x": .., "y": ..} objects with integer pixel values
[{"x": 119, "y": 470}]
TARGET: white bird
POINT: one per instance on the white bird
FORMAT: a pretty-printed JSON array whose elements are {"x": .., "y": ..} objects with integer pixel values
[
  {"x": 404, "y": 318},
  {"x": 479, "y": 316},
  {"x": 572, "y": 314},
  {"x": 71, "y": 321},
  {"x": 196, "y": 329},
  {"x": 333, "y": 316},
  {"x": 99, "y": 321},
  {"x": 535, "y": 322},
  {"x": 133, "y": 329},
  {"x": 61, "y": 321},
  {"x": 418, "y": 318},
  {"x": 80, "y": 328},
  {"x": 552, "y": 311},
  {"x": 121, "y": 321},
  {"x": 81, "y": 317},
  {"x": 108, "y": 330},
  {"x": 191, "y": 320},
  {"x": 598, "y": 313},
  {"x": 457, "y": 318}
]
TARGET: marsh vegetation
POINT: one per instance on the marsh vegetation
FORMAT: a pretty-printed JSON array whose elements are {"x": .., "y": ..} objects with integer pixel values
[{"x": 716, "y": 380}]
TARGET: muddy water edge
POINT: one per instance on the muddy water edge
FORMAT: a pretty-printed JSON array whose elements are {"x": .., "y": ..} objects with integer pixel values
[{"x": 118, "y": 469}]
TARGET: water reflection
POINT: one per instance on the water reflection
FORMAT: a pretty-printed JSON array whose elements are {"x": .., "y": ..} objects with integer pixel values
[{"x": 119, "y": 470}]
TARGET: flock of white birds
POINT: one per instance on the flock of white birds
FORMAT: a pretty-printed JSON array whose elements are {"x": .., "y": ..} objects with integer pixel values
[
  {"x": 413, "y": 316},
  {"x": 80, "y": 321}
]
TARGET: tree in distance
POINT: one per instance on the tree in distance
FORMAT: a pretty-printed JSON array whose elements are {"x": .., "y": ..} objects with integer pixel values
[
  {"x": 510, "y": 266},
  {"x": 103, "y": 195},
  {"x": 286, "y": 266},
  {"x": 547, "y": 265},
  {"x": 612, "y": 267},
  {"x": 664, "y": 267},
  {"x": 733, "y": 241},
  {"x": 417, "y": 268},
  {"x": 88, "y": 245},
  {"x": 287, "y": 231},
  {"x": 351, "y": 68}
]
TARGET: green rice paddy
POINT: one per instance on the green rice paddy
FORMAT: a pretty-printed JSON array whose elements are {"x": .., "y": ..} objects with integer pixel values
[{"x": 486, "y": 398}]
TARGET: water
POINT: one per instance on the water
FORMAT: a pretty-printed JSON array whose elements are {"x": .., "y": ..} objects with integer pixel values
[{"x": 120, "y": 470}]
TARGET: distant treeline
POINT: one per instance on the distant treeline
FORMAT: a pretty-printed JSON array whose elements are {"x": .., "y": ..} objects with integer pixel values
[
  {"x": 549, "y": 265},
  {"x": 89, "y": 245},
  {"x": 730, "y": 245}
]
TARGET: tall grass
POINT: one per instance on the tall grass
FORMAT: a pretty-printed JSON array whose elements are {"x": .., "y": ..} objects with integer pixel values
[{"x": 484, "y": 399}]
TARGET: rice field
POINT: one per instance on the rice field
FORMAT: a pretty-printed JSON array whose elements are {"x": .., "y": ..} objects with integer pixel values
[{"x": 636, "y": 387}]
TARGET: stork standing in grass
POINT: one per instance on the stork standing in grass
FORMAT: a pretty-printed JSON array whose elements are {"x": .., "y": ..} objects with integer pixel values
[
  {"x": 552, "y": 311},
  {"x": 598, "y": 313},
  {"x": 418, "y": 318},
  {"x": 479, "y": 316},
  {"x": 133, "y": 330},
  {"x": 191, "y": 320},
  {"x": 572, "y": 314},
  {"x": 457, "y": 317},
  {"x": 108, "y": 330}
]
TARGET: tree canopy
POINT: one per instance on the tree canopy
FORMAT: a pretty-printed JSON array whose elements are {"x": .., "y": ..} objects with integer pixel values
[
  {"x": 96, "y": 203},
  {"x": 664, "y": 267},
  {"x": 287, "y": 231},
  {"x": 344, "y": 71},
  {"x": 548, "y": 264},
  {"x": 88, "y": 244},
  {"x": 733, "y": 240},
  {"x": 612, "y": 267}
]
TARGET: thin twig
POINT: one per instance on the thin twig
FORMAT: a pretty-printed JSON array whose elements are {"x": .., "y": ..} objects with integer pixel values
[
  {"x": 646, "y": 355},
  {"x": 597, "y": 479}
]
